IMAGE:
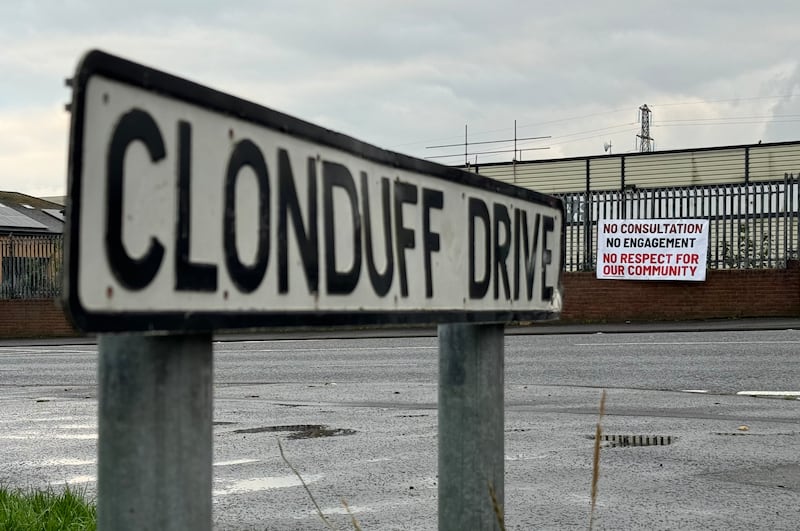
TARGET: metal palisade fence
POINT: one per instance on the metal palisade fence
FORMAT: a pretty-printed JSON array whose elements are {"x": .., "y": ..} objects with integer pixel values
[
  {"x": 31, "y": 266},
  {"x": 751, "y": 225}
]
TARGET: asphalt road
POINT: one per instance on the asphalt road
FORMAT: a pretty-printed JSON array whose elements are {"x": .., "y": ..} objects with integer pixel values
[{"x": 732, "y": 462}]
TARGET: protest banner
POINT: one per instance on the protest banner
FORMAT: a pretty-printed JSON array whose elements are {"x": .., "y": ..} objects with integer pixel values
[{"x": 653, "y": 249}]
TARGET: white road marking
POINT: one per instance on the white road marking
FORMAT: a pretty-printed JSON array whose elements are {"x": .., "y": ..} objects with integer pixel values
[
  {"x": 341, "y": 510},
  {"x": 527, "y": 457},
  {"x": 699, "y": 391},
  {"x": 682, "y": 343},
  {"x": 73, "y": 436},
  {"x": 44, "y": 350},
  {"x": 769, "y": 393},
  {"x": 39, "y": 435},
  {"x": 77, "y": 480},
  {"x": 52, "y": 419},
  {"x": 266, "y": 483},
  {"x": 236, "y": 462},
  {"x": 66, "y": 462},
  {"x": 337, "y": 349}
]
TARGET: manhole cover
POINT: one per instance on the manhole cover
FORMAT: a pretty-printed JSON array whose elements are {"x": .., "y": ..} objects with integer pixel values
[
  {"x": 300, "y": 431},
  {"x": 637, "y": 440}
]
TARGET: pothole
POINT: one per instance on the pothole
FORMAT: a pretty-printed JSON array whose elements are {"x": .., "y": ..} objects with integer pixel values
[
  {"x": 617, "y": 441},
  {"x": 300, "y": 431}
]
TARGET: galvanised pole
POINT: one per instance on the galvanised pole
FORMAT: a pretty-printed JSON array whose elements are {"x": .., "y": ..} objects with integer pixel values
[
  {"x": 471, "y": 423},
  {"x": 155, "y": 432}
]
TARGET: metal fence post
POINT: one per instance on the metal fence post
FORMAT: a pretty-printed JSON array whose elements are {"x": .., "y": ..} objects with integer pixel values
[
  {"x": 471, "y": 424},
  {"x": 155, "y": 432},
  {"x": 13, "y": 263},
  {"x": 587, "y": 222}
]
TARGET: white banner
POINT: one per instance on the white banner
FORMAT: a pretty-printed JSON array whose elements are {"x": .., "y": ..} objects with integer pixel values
[{"x": 652, "y": 249}]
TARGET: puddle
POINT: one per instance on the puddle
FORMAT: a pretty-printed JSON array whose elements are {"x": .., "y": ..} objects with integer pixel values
[
  {"x": 300, "y": 431},
  {"x": 622, "y": 441},
  {"x": 267, "y": 483}
]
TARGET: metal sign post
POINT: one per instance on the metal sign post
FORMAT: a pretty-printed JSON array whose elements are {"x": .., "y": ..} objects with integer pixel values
[
  {"x": 155, "y": 432},
  {"x": 471, "y": 436},
  {"x": 191, "y": 210}
]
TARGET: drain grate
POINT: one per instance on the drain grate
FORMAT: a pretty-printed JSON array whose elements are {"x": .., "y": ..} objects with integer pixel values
[{"x": 637, "y": 440}]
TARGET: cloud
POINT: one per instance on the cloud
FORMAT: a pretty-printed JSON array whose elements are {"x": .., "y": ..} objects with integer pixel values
[
  {"x": 410, "y": 74},
  {"x": 786, "y": 111},
  {"x": 33, "y": 152}
]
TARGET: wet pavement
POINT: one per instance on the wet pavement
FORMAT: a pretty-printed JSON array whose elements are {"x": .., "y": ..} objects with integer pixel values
[{"x": 358, "y": 420}]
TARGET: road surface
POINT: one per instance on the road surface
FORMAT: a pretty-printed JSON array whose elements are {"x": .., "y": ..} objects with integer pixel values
[{"x": 358, "y": 419}]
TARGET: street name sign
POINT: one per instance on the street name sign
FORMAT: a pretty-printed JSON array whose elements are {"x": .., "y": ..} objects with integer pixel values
[{"x": 191, "y": 209}]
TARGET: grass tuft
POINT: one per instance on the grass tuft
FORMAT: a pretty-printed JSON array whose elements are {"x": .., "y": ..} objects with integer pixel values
[
  {"x": 356, "y": 527},
  {"x": 596, "y": 460},
  {"x": 303, "y": 482},
  {"x": 327, "y": 522},
  {"x": 47, "y": 510},
  {"x": 498, "y": 509}
]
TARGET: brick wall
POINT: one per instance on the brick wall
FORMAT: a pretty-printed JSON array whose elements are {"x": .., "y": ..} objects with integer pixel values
[
  {"x": 33, "y": 318},
  {"x": 724, "y": 294}
]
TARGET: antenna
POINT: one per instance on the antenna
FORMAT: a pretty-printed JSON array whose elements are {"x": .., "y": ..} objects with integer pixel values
[
  {"x": 607, "y": 147},
  {"x": 466, "y": 146}
]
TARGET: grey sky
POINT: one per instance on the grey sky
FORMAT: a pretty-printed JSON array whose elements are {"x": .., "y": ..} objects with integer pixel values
[{"x": 409, "y": 74}]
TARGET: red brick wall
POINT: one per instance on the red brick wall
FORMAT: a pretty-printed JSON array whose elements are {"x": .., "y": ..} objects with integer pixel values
[
  {"x": 33, "y": 318},
  {"x": 724, "y": 294}
]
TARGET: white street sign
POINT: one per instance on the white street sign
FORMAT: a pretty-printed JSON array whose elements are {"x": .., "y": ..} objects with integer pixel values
[{"x": 190, "y": 209}]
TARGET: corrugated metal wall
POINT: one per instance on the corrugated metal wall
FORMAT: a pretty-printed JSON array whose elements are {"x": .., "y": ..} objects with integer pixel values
[
  {"x": 550, "y": 178},
  {"x": 698, "y": 167}
]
